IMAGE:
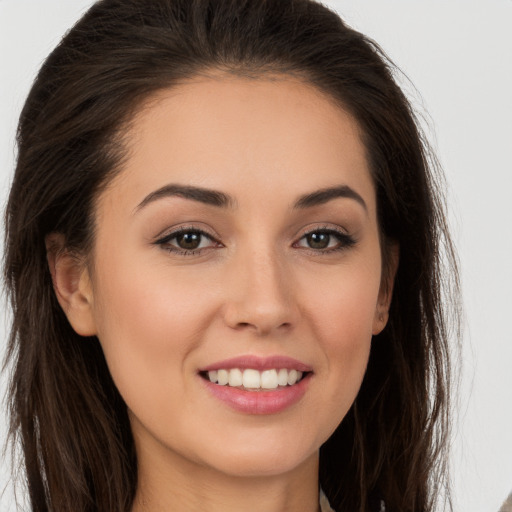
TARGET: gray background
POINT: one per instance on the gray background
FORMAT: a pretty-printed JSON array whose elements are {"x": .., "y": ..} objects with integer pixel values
[{"x": 458, "y": 54}]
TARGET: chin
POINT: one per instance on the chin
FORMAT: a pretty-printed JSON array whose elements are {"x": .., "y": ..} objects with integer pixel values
[{"x": 262, "y": 457}]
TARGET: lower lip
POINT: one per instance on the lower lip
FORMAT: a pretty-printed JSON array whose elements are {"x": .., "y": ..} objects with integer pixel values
[{"x": 259, "y": 402}]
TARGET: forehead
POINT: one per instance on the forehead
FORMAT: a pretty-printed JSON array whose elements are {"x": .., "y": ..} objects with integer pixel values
[{"x": 244, "y": 135}]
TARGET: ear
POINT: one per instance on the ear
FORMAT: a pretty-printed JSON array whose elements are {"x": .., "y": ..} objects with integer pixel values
[
  {"x": 381, "y": 317},
  {"x": 71, "y": 284}
]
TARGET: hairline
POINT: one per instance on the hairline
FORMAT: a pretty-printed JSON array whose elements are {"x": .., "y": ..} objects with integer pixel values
[{"x": 124, "y": 135}]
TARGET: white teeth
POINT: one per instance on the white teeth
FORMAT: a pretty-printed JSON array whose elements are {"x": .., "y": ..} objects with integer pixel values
[
  {"x": 222, "y": 377},
  {"x": 269, "y": 379},
  {"x": 235, "y": 378},
  {"x": 282, "y": 377},
  {"x": 253, "y": 379},
  {"x": 292, "y": 377}
]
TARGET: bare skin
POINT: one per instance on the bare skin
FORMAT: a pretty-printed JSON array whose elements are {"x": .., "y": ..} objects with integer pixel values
[{"x": 277, "y": 270}]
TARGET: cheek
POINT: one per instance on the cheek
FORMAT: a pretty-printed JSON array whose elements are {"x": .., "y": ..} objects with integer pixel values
[
  {"x": 342, "y": 316},
  {"x": 341, "y": 303},
  {"x": 147, "y": 325},
  {"x": 346, "y": 334}
]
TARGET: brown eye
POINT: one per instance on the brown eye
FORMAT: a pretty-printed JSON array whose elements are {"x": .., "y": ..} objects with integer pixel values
[
  {"x": 318, "y": 240},
  {"x": 189, "y": 241},
  {"x": 325, "y": 241}
]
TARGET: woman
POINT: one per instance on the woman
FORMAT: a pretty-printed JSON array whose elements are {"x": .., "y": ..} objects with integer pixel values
[{"x": 223, "y": 256}]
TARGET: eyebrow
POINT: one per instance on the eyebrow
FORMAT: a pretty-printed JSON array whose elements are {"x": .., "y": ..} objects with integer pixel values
[
  {"x": 202, "y": 195},
  {"x": 325, "y": 195},
  {"x": 222, "y": 200}
]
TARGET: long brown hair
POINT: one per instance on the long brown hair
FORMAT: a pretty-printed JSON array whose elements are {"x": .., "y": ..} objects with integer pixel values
[{"x": 65, "y": 410}]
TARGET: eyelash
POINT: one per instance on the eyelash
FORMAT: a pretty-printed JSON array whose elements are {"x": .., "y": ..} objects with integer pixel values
[
  {"x": 345, "y": 241},
  {"x": 164, "y": 241}
]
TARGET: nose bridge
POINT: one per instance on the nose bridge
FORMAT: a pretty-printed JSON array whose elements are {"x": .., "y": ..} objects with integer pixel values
[
  {"x": 266, "y": 275},
  {"x": 262, "y": 297}
]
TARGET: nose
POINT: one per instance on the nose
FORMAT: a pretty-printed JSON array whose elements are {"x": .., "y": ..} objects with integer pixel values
[{"x": 261, "y": 296}]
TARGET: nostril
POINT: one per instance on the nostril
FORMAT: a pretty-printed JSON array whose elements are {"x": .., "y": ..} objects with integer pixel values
[
  {"x": 261, "y": 329},
  {"x": 242, "y": 325}
]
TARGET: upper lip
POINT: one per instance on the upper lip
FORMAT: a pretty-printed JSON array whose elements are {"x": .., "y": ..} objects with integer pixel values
[{"x": 259, "y": 363}]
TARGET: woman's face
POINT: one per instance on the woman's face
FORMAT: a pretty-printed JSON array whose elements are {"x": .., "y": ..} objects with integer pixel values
[{"x": 239, "y": 239}]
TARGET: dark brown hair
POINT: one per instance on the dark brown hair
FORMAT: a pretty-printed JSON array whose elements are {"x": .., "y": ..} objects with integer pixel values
[{"x": 65, "y": 410}]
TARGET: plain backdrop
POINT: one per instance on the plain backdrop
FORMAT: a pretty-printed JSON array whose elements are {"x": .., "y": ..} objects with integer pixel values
[{"x": 458, "y": 54}]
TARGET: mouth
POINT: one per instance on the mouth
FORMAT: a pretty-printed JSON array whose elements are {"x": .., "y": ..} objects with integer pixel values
[
  {"x": 258, "y": 385},
  {"x": 251, "y": 379}
]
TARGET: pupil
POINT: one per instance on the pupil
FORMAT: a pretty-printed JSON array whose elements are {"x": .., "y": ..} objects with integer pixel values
[
  {"x": 189, "y": 240},
  {"x": 318, "y": 240}
]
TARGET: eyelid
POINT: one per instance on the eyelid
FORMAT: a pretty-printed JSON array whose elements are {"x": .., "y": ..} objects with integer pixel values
[
  {"x": 325, "y": 228},
  {"x": 199, "y": 227},
  {"x": 346, "y": 240},
  {"x": 170, "y": 234}
]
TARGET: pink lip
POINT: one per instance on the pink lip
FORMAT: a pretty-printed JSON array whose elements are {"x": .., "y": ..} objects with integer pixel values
[
  {"x": 258, "y": 363},
  {"x": 259, "y": 402}
]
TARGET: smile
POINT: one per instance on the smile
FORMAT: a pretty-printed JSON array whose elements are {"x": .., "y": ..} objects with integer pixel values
[
  {"x": 257, "y": 385},
  {"x": 253, "y": 380}
]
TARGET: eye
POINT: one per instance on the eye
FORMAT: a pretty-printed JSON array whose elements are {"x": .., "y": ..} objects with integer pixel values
[
  {"x": 325, "y": 240},
  {"x": 187, "y": 241}
]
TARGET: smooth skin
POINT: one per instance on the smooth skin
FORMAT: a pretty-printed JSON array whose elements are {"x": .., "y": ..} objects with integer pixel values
[{"x": 261, "y": 274}]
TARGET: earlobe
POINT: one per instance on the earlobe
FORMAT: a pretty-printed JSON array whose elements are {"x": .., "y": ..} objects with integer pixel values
[
  {"x": 386, "y": 289},
  {"x": 380, "y": 321},
  {"x": 71, "y": 284}
]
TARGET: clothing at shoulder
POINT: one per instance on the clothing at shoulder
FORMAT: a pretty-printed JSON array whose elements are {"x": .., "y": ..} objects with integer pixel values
[
  {"x": 324, "y": 503},
  {"x": 506, "y": 507}
]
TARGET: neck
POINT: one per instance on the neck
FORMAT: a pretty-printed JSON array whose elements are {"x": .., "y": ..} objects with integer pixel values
[{"x": 170, "y": 483}]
